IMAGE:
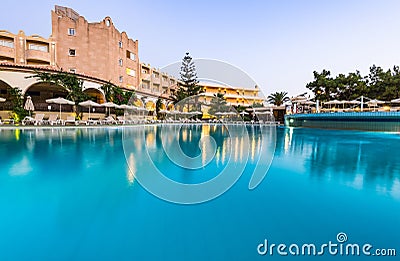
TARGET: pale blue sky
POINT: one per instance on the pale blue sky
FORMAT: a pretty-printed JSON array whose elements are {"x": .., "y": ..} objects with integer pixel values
[{"x": 278, "y": 43}]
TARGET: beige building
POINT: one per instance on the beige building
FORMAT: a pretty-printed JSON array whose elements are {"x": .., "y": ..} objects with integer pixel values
[
  {"x": 234, "y": 96},
  {"x": 99, "y": 52},
  {"x": 154, "y": 81},
  {"x": 94, "y": 49},
  {"x": 27, "y": 50}
]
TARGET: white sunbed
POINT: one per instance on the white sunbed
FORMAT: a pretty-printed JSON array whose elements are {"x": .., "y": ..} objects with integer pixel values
[
  {"x": 109, "y": 120},
  {"x": 121, "y": 120},
  {"x": 70, "y": 120},
  {"x": 53, "y": 119},
  {"x": 38, "y": 120}
]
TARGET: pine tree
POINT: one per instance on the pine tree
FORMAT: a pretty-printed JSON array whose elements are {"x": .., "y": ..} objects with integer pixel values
[
  {"x": 189, "y": 83},
  {"x": 189, "y": 76}
]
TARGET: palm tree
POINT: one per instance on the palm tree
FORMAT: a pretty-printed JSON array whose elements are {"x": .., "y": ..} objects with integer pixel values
[
  {"x": 218, "y": 104},
  {"x": 278, "y": 98}
]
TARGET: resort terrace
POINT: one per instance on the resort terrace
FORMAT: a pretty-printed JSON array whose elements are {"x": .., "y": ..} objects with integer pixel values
[{"x": 359, "y": 114}]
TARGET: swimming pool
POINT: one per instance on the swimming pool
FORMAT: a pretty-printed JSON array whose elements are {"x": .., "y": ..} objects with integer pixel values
[{"x": 68, "y": 194}]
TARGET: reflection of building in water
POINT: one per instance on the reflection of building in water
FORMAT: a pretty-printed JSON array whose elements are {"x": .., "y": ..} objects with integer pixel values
[
  {"x": 151, "y": 140},
  {"x": 131, "y": 169},
  {"x": 205, "y": 131}
]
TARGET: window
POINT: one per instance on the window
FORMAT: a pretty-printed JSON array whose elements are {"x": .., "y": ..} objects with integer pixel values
[
  {"x": 156, "y": 88},
  {"x": 145, "y": 85},
  {"x": 7, "y": 43},
  {"x": 121, "y": 79},
  {"x": 120, "y": 62},
  {"x": 72, "y": 70},
  {"x": 120, "y": 44},
  {"x": 71, "y": 31},
  {"x": 130, "y": 55},
  {"x": 72, "y": 52},
  {"x": 130, "y": 72},
  {"x": 42, "y": 48},
  {"x": 108, "y": 22}
]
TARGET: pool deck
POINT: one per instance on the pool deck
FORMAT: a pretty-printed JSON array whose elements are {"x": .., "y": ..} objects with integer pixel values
[{"x": 20, "y": 126}]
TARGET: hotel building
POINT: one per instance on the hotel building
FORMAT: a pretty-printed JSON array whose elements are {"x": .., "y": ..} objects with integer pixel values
[
  {"x": 234, "y": 96},
  {"x": 154, "y": 81},
  {"x": 99, "y": 53},
  {"x": 27, "y": 50},
  {"x": 95, "y": 49}
]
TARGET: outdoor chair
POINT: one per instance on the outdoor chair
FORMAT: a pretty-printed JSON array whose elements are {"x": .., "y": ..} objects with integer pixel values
[
  {"x": 53, "y": 119},
  {"x": 121, "y": 120},
  {"x": 109, "y": 120},
  {"x": 70, "y": 120},
  {"x": 38, "y": 120}
]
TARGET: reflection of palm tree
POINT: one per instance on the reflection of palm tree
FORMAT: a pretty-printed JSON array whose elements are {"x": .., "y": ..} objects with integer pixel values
[{"x": 278, "y": 98}]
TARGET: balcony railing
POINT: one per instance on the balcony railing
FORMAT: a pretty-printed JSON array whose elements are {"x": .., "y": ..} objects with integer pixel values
[{"x": 38, "y": 55}]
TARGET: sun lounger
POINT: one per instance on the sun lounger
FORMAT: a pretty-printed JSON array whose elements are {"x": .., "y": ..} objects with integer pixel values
[
  {"x": 92, "y": 121},
  {"x": 8, "y": 121},
  {"x": 70, "y": 120},
  {"x": 27, "y": 120},
  {"x": 38, "y": 120},
  {"x": 121, "y": 120},
  {"x": 53, "y": 119},
  {"x": 109, "y": 120}
]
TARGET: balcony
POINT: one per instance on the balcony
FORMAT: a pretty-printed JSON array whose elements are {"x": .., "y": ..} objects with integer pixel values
[
  {"x": 7, "y": 52},
  {"x": 155, "y": 79},
  {"x": 37, "y": 55}
]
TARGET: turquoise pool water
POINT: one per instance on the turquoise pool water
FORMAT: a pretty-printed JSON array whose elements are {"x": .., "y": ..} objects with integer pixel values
[{"x": 68, "y": 194}]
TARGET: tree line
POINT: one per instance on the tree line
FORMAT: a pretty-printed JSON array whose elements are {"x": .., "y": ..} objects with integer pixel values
[{"x": 378, "y": 84}]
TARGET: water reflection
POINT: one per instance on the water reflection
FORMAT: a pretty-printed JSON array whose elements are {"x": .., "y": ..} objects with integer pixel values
[
  {"x": 192, "y": 153},
  {"x": 358, "y": 159},
  {"x": 46, "y": 151}
]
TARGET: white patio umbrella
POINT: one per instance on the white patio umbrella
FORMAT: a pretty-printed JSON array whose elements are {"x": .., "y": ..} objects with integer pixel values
[
  {"x": 334, "y": 102},
  {"x": 90, "y": 104},
  {"x": 394, "y": 101},
  {"x": 263, "y": 112},
  {"x": 29, "y": 105},
  {"x": 353, "y": 102},
  {"x": 307, "y": 102},
  {"x": 374, "y": 102},
  {"x": 60, "y": 101},
  {"x": 108, "y": 105},
  {"x": 175, "y": 112},
  {"x": 244, "y": 113},
  {"x": 2, "y": 99},
  {"x": 126, "y": 107}
]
